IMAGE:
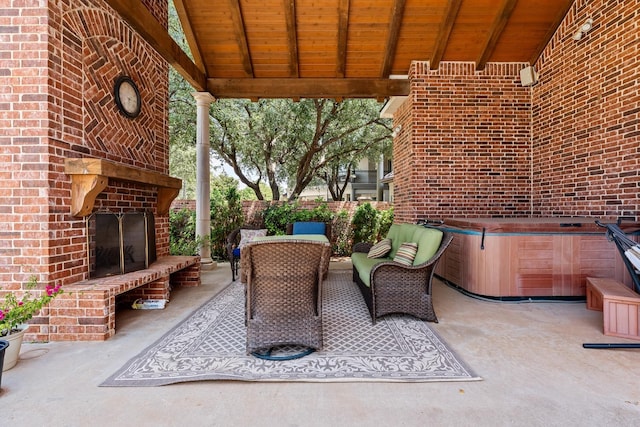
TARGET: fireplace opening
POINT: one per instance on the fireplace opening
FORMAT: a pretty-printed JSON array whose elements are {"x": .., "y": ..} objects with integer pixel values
[{"x": 120, "y": 243}]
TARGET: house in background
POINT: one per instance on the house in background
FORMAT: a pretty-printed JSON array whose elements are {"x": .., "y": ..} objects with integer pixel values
[
  {"x": 387, "y": 181},
  {"x": 365, "y": 183}
]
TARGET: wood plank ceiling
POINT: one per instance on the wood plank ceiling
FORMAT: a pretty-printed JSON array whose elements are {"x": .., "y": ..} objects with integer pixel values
[{"x": 341, "y": 48}]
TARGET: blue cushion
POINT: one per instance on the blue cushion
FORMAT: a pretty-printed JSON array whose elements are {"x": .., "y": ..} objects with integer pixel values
[
  {"x": 236, "y": 253},
  {"x": 308, "y": 227}
]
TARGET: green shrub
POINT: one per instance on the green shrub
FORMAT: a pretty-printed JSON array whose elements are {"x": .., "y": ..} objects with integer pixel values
[
  {"x": 371, "y": 225},
  {"x": 182, "y": 232},
  {"x": 226, "y": 216},
  {"x": 342, "y": 234},
  {"x": 365, "y": 223},
  {"x": 385, "y": 219},
  {"x": 321, "y": 213},
  {"x": 277, "y": 216}
]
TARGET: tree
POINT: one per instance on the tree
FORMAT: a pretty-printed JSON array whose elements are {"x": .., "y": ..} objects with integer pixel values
[
  {"x": 182, "y": 118},
  {"x": 221, "y": 185},
  {"x": 249, "y": 137},
  {"x": 337, "y": 177},
  {"x": 277, "y": 141},
  {"x": 248, "y": 194}
]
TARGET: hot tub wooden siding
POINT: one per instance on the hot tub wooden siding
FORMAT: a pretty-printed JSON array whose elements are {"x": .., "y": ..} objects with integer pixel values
[{"x": 528, "y": 257}]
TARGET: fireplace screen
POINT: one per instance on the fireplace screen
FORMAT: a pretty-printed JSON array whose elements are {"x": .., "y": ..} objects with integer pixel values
[{"x": 120, "y": 243}]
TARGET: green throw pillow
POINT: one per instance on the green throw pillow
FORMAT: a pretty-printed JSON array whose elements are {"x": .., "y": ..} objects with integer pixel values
[
  {"x": 406, "y": 253},
  {"x": 380, "y": 249}
]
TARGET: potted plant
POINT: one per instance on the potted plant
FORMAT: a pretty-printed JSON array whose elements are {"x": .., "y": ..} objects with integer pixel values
[
  {"x": 3, "y": 347},
  {"x": 16, "y": 310}
]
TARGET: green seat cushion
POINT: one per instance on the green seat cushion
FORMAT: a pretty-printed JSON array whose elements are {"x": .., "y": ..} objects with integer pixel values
[
  {"x": 401, "y": 233},
  {"x": 428, "y": 240},
  {"x": 394, "y": 235},
  {"x": 363, "y": 265}
]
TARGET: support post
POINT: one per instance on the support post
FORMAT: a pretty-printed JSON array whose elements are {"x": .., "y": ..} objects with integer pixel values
[{"x": 203, "y": 181}]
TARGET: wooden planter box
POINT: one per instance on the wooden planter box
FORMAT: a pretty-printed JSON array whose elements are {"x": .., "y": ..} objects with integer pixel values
[{"x": 619, "y": 304}]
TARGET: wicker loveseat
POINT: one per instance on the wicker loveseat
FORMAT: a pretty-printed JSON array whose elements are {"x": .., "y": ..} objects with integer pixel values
[{"x": 391, "y": 287}]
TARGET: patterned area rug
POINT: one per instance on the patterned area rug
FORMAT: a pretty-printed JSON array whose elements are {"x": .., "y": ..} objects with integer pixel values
[{"x": 210, "y": 345}]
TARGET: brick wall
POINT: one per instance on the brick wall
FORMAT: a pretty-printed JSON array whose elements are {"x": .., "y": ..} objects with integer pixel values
[
  {"x": 24, "y": 155},
  {"x": 179, "y": 204},
  {"x": 58, "y": 61},
  {"x": 95, "y": 48},
  {"x": 464, "y": 149},
  {"x": 403, "y": 160},
  {"x": 476, "y": 143},
  {"x": 586, "y": 132}
]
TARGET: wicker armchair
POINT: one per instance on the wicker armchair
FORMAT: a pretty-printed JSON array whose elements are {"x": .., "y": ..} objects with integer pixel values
[
  {"x": 397, "y": 288},
  {"x": 327, "y": 228},
  {"x": 233, "y": 253},
  {"x": 284, "y": 293}
]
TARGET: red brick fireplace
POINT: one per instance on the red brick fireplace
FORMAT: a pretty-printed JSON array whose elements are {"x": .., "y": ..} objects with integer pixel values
[
  {"x": 87, "y": 309},
  {"x": 62, "y": 60}
]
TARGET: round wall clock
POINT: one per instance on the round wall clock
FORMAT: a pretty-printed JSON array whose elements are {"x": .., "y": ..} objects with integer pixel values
[{"x": 127, "y": 96}]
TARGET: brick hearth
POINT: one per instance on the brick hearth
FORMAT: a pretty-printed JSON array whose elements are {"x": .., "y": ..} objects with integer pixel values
[{"x": 86, "y": 311}]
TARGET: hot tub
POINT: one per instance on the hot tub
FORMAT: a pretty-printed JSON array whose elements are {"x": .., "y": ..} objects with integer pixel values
[{"x": 521, "y": 258}]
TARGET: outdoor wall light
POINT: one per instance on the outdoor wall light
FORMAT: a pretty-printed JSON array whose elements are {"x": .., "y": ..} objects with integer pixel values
[
  {"x": 396, "y": 131},
  {"x": 528, "y": 76},
  {"x": 584, "y": 29}
]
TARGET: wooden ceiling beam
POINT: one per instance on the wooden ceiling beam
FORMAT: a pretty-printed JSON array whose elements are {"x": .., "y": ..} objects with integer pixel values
[
  {"x": 292, "y": 37},
  {"x": 392, "y": 40},
  {"x": 307, "y": 88},
  {"x": 450, "y": 15},
  {"x": 499, "y": 23},
  {"x": 343, "y": 32},
  {"x": 145, "y": 24},
  {"x": 192, "y": 41},
  {"x": 241, "y": 36}
]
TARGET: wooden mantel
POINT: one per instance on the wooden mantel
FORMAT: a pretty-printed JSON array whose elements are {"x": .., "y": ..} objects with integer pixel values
[{"x": 89, "y": 177}]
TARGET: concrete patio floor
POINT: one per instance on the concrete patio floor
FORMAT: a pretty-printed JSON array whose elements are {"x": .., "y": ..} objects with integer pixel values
[{"x": 530, "y": 356}]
